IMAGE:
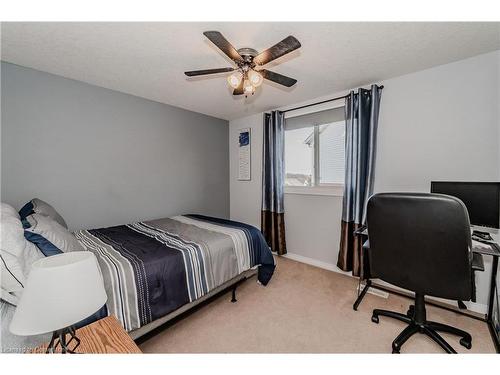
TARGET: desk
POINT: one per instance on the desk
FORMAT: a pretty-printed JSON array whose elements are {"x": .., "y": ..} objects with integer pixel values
[{"x": 493, "y": 251}]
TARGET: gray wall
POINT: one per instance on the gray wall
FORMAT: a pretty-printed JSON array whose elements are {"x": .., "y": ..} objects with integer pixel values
[
  {"x": 438, "y": 124},
  {"x": 105, "y": 158}
]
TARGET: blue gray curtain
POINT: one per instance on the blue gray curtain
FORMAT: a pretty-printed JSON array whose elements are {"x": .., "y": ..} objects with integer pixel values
[
  {"x": 273, "y": 179},
  {"x": 361, "y": 114}
]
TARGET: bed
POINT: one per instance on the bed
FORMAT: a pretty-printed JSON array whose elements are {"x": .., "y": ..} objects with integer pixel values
[{"x": 155, "y": 270}]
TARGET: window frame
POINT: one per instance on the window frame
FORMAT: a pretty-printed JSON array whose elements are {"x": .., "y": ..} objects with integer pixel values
[{"x": 332, "y": 189}]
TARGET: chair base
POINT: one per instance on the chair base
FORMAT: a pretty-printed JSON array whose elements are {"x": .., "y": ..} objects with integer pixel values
[{"x": 415, "y": 318}]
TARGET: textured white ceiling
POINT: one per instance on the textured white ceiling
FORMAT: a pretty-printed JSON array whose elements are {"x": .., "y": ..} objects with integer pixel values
[{"x": 148, "y": 59}]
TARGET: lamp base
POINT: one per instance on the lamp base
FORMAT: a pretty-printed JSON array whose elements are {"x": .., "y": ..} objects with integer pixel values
[{"x": 59, "y": 338}]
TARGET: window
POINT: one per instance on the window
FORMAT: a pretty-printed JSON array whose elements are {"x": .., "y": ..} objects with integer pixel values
[
  {"x": 314, "y": 150},
  {"x": 299, "y": 157}
]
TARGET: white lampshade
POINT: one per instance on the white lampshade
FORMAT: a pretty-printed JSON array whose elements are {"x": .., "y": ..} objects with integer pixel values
[
  {"x": 255, "y": 78},
  {"x": 61, "y": 290},
  {"x": 234, "y": 79},
  {"x": 248, "y": 88}
]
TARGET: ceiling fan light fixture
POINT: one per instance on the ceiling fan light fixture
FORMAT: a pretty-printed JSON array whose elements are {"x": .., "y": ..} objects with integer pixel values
[
  {"x": 244, "y": 79},
  {"x": 255, "y": 78},
  {"x": 248, "y": 88},
  {"x": 234, "y": 79}
]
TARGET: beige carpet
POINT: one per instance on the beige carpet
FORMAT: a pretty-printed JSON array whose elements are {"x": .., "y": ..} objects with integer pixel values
[{"x": 304, "y": 309}]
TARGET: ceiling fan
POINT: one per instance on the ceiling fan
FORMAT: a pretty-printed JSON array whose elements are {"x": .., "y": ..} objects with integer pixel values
[{"x": 248, "y": 75}]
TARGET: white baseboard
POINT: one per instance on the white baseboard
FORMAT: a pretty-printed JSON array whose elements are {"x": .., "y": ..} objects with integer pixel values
[
  {"x": 315, "y": 263},
  {"x": 374, "y": 291},
  {"x": 476, "y": 307}
]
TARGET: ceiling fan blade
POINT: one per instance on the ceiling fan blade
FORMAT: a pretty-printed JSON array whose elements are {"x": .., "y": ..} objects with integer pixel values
[
  {"x": 278, "y": 78},
  {"x": 239, "y": 90},
  {"x": 222, "y": 43},
  {"x": 194, "y": 73},
  {"x": 287, "y": 45}
]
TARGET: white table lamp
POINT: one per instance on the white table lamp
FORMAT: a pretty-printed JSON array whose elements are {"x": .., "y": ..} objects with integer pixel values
[{"x": 61, "y": 290}]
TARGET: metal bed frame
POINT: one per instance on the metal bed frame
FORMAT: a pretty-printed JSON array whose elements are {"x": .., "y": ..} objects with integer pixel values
[{"x": 143, "y": 333}]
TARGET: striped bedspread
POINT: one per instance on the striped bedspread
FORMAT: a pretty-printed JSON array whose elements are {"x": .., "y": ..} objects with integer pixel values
[{"x": 152, "y": 268}]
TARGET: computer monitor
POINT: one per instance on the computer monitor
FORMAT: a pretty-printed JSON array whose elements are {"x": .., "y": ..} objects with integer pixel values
[{"x": 482, "y": 200}]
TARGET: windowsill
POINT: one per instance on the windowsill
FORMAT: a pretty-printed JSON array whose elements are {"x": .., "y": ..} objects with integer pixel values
[{"x": 336, "y": 190}]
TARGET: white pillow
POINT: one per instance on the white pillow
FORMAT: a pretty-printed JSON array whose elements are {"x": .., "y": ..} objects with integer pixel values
[
  {"x": 12, "y": 235},
  {"x": 13, "y": 278},
  {"x": 8, "y": 297},
  {"x": 30, "y": 255},
  {"x": 16, "y": 255},
  {"x": 8, "y": 211},
  {"x": 12, "y": 244}
]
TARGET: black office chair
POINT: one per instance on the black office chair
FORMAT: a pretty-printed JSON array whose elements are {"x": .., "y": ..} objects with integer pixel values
[{"x": 421, "y": 242}]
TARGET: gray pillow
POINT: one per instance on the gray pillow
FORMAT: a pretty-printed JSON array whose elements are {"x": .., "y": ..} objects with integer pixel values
[
  {"x": 38, "y": 206},
  {"x": 47, "y": 234}
]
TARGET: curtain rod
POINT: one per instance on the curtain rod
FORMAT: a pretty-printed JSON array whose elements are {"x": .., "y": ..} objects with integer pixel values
[{"x": 324, "y": 101}]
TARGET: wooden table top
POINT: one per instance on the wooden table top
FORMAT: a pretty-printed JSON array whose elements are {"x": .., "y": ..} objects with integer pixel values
[{"x": 105, "y": 336}]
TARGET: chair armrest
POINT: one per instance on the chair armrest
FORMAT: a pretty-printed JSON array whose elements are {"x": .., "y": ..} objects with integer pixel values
[{"x": 477, "y": 262}]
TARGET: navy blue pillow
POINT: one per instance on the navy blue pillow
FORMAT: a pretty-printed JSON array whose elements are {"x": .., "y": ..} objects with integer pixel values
[
  {"x": 26, "y": 223},
  {"x": 45, "y": 246},
  {"x": 27, "y": 210},
  {"x": 102, "y": 313}
]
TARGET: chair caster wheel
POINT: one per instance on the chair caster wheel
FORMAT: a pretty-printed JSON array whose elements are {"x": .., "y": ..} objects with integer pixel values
[
  {"x": 395, "y": 348},
  {"x": 465, "y": 343},
  {"x": 375, "y": 319}
]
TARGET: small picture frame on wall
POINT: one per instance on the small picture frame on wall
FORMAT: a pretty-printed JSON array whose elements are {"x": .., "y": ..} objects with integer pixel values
[{"x": 244, "y": 156}]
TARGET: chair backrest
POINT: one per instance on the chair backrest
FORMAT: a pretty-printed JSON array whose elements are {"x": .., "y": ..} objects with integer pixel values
[{"x": 421, "y": 242}]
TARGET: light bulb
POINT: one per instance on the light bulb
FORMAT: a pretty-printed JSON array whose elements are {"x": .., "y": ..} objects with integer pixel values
[
  {"x": 248, "y": 88},
  {"x": 255, "y": 78},
  {"x": 234, "y": 79}
]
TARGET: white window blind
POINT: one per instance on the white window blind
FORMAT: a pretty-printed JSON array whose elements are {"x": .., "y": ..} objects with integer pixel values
[{"x": 332, "y": 153}]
